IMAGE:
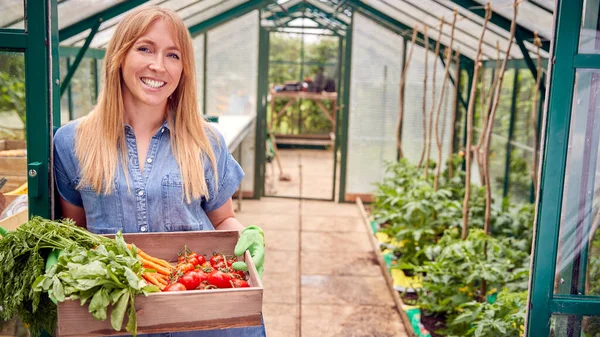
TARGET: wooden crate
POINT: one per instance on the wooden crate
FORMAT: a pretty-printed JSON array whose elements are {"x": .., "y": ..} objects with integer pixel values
[
  {"x": 14, "y": 169},
  {"x": 177, "y": 311}
]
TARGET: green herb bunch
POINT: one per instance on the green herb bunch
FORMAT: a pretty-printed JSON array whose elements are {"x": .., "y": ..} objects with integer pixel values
[
  {"x": 22, "y": 257},
  {"x": 107, "y": 275}
]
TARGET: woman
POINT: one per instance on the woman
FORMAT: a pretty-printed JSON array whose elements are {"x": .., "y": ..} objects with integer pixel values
[{"x": 144, "y": 160}]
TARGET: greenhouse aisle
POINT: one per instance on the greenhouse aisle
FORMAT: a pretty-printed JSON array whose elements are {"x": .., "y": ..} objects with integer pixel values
[{"x": 321, "y": 274}]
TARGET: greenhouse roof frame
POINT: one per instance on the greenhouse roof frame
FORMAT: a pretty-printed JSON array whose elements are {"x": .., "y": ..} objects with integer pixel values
[{"x": 401, "y": 16}]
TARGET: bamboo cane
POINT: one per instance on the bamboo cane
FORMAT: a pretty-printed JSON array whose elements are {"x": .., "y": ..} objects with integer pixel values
[
  {"x": 465, "y": 228},
  {"x": 402, "y": 84},
  {"x": 454, "y": 112},
  {"x": 488, "y": 135},
  {"x": 439, "y": 105},
  {"x": 427, "y": 134},
  {"x": 485, "y": 112},
  {"x": 424, "y": 106}
]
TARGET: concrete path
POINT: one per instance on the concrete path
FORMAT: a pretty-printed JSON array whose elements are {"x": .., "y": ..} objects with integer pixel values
[{"x": 321, "y": 275}]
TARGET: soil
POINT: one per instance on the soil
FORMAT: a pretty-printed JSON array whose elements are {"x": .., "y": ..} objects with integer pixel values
[{"x": 432, "y": 324}]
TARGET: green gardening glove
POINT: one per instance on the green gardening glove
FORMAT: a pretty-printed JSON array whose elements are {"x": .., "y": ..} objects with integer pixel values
[{"x": 253, "y": 240}]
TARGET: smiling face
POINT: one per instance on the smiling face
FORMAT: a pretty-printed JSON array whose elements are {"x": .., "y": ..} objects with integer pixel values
[{"x": 152, "y": 68}]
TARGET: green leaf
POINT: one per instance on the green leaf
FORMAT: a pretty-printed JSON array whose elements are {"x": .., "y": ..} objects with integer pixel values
[
  {"x": 132, "y": 278},
  {"x": 99, "y": 300},
  {"x": 57, "y": 290},
  {"x": 132, "y": 321},
  {"x": 118, "y": 312}
]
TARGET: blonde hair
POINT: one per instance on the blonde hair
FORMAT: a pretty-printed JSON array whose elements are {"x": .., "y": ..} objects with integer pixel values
[{"x": 100, "y": 137}]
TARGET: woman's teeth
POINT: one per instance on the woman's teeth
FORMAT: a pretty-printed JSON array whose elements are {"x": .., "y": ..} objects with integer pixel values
[{"x": 152, "y": 83}]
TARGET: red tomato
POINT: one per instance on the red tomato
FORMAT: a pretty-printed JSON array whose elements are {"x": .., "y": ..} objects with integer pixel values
[
  {"x": 191, "y": 280},
  {"x": 239, "y": 273},
  {"x": 217, "y": 261},
  {"x": 237, "y": 283},
  {"x": 201, "y": 259},
  {"x": 175, "y": 287},
  {"x": 202, "y": 274},
  {"x": 220, "y": 279}
]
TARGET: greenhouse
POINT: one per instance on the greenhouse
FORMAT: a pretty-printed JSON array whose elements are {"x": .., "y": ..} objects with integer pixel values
[{"x": 401, "y": 167}]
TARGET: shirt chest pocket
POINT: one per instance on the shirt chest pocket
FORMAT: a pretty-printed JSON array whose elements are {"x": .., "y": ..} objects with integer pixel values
[
  {"x": 178, "y": 214},
  {"x": 103, "y": 212}
]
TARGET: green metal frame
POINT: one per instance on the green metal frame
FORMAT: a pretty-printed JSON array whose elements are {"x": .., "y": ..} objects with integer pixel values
[
  {"x": 13, "y": 40},
  {"x": 66, "y": 51},
  {"x": 346, "y": 108},
  {"x": 79, "y": 57},
  {"x": 543, "y": 302},
  {"x": 261, "y": 113}
]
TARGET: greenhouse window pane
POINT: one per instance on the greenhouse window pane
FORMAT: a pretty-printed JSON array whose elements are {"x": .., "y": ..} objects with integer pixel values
[
  {"x": 207, "y": 9},
  {"x": 589, "y": 39},
  {"x": 13, "y": 153},
  {"x": 82, "y": 88},
  {"x": 530, "y": 16},
  {"x": 571, "y": 326},
  {"x": 374, "y": 99},
  {"x": 198, "y": 42},
  {"x": 578, "y": 263},
  {"x": 12, "y": 15},
  {"x": 71, "y": 12},
  {"x": 412, "y": 130},
  {"x": 467, "y": 50}
]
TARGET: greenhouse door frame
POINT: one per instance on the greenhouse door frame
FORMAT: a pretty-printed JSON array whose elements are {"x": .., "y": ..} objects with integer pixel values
[
  {"x": 39, "y": 44},
  {"x": 543, "y": 302},
  {"x": 341, "y": 123}
]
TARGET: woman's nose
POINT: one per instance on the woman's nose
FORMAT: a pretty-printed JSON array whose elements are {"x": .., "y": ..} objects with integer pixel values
[{"x": 157, "y": 64}]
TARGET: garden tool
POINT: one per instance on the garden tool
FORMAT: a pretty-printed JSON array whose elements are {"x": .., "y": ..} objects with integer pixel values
[
  {"x": 273, "y": 147},
  {"x": 253, "y": 240}
]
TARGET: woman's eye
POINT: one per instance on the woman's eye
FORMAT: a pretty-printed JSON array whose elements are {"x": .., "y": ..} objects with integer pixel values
[
  {"x": 144, "y": 49},
  {"x": 175, "y": 56}
]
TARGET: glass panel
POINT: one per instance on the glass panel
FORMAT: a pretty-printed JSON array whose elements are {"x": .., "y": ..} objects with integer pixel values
[
  {"x": 12, "y": 15},
  {"x": 530, "y": 16},
  {"x": 521, "y": 163},
  {"x": 82, "y": 88},
  {"x": 572, "y": 326},
  {"x": 198, "y": 42},
  {"x": 589, "y": 39},
  {"x": 207, "y": 9},
  {"x": 376, "y": 69},
  {"x": 13, "y": 153},
  {"x": 579, "y": 244},
  {"x": 71, "y": 12},
  {"x": 412, "y": 130},
  {"x": 232, "y": 77},
  {"x": 65, "y": 110}
]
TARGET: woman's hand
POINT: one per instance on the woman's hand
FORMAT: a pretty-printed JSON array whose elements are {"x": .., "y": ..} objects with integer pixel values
[{"x": 252, "y": 239}]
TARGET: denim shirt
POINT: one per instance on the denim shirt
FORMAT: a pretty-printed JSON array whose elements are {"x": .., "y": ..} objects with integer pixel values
[{"x": 154, "y": 201}]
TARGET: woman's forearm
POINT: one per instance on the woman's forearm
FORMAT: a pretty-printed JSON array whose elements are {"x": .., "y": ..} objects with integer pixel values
[{"x": 230, "y": 223}]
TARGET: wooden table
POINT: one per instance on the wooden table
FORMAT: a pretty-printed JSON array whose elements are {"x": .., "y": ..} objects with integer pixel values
[{"x": 313, "y": 96}]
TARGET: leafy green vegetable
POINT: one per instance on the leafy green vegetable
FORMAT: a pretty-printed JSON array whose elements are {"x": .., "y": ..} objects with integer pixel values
[
  {"x": 22, "y": 256},
  {"x": 105, "y": 276}
]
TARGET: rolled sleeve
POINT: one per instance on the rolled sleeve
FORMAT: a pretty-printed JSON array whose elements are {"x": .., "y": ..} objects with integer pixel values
[{"x": 230, "y": 175}]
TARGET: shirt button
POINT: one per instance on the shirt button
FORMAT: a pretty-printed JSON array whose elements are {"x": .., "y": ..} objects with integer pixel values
[
  {"x": 143, "y": 228},
  {"x": 141, "y": 193},
  {"x": 162, "y": 130},
  {"x": 149, "y": 160}
]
